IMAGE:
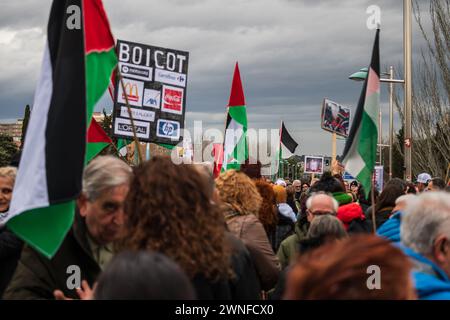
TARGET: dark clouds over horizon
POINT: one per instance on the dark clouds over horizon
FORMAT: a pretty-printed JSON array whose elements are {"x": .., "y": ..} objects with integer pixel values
[{"x": 291, "y": 54}]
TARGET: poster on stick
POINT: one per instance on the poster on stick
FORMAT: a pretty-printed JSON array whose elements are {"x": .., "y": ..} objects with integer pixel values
[
  {"x": 154, "y": 83},
  {"x": 313, "y": 164},
  {"x": 335, "y": 118}
]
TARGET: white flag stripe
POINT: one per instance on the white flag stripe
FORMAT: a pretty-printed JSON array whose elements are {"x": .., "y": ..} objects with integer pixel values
[
  {"x": 353, "y": 162},
  {"x": 233, "y": 134},
  {"x": 30, "y": 189}
]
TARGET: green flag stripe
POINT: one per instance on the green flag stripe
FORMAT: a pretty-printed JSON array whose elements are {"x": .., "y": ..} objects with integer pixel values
[
  {"x": 43, "y": 227},
  {"x": 99, "y": 67},
  {"x": 94, "y": 148},
  {"x": 239, "y": 114}
]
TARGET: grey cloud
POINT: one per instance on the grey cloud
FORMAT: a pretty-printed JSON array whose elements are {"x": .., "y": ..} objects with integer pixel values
[{"x": 292, "y": 54}]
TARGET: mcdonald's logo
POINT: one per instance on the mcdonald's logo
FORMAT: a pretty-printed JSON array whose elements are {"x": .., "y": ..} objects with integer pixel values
[{"x": 131, "y": 90}]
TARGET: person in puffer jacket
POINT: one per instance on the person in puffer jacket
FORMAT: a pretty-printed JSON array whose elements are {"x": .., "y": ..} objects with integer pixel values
[
  {"x": 391, "y": 228},
  {"x": 352, "y": 216}
]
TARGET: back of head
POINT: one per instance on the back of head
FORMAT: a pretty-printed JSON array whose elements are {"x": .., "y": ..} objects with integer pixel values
[
  {"x": 398, "y": 182},
  {"x": 280, "y": 194},
  {"x": 267, "y": 213},
  {"x": 238, "y": 193},
  {"x": 169, "y": 209},
  {"x": 328, "y": 183},
  {"x": 290, "y": 190},
  {"x": 341, "y": 270},
  {"x": 251, "y": 168},
  {"x": 326, "y": 227},
  {"x": 104, "y": 173},
  {"x": 426, "y": 217},
  {"x": 389, "y": 195},
  {"x": 143, "y": 275}
]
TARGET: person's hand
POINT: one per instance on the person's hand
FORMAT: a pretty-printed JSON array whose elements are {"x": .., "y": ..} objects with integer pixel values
[
  {"x": 59, "y": 295},
  {"x": 85, "y": 292}
]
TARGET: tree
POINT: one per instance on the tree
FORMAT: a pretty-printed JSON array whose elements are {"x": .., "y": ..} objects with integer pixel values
[
  {"x": 431, "y": 94},
  {"x": 7, "y": 149},
  {"x": 26, "y": 119}
]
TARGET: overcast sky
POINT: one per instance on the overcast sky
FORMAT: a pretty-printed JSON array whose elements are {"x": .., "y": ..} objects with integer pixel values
[{"x": 291, "y": 54}]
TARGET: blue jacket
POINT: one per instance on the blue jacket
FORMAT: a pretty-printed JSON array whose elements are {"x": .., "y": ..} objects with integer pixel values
[
  {"x": 430, "y": 281},
  {"x": 391, "y": 228}
]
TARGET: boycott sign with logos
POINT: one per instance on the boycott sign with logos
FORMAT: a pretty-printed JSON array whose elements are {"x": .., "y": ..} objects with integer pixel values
[{"x": 154, "y": 81}]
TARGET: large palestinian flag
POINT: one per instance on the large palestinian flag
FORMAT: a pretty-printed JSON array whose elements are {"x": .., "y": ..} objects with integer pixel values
[
  {"x": 235, "y": 150},
  {"x": 361, "y": 147},
  {"x": 79, "y": 59}
]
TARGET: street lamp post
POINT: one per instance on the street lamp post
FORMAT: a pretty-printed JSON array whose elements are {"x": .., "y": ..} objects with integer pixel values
[
  {"x": 391, "y": 119},
  {"x": 407, "y": 40}
]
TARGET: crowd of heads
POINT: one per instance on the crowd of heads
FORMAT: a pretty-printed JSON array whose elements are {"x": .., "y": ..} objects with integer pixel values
[{"x": 179, "y": 232}]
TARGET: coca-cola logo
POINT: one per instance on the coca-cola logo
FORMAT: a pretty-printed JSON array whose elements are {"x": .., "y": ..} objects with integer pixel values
[{"x": 173, "y": 96}]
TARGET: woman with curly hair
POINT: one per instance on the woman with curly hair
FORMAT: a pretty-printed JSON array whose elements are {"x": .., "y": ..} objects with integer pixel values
[
  {"x": 241, "y": 204},
  {"x": 267, "y": 212},
  {"x": 170, "y": 210}
]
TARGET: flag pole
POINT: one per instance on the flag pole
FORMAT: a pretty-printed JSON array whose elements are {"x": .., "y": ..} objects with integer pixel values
[
  {"x": 372, "y": 195},
  {"x": 333, "y": 147},
  {"x": 136, "y": 140}
]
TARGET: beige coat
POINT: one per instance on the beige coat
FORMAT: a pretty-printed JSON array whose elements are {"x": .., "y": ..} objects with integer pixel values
[{"x": 250, "y": 230}]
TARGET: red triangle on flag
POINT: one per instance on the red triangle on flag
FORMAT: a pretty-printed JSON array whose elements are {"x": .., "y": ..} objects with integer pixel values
[
  {"x": 97, "y": 134},
  {"x": 237, "y": 92}
]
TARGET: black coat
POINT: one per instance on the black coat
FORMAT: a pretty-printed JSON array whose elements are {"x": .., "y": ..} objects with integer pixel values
[
  {"x": 36, "y": 277},
  {"x": 10, "y": 249},
  {"x": 244, "y": 285}
]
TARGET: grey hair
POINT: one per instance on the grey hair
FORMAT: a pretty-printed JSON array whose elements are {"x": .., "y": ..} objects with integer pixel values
[
  {"x": 313, "y": 195},
  {"x": 104, "y": 173},
  {"x": 426, "y": 217},
  {"x": 326, "y": 225},
  {"x": 8, "y": 172},
  {"x": 405, "y": 198}
]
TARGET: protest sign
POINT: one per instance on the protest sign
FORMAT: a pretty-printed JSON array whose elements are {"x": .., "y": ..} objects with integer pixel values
[
  {"x": 155, "y": 82},
  {"x": 335, "y": 118},
  {"x": 313, "y": 164}
]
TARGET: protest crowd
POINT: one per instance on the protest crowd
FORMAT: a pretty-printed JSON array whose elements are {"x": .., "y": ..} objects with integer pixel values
[
  {"x": 81, "y": 221},
  {"x": 165, "y": 231}
]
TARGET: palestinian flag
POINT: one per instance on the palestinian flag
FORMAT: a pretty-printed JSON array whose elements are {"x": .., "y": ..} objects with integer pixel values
[
  {"x": 235, "y": 146},
  {"x": 287, "y": 140},
  {"x": 361, "y": 147},
  {"x": 79, "y": 59},
  {"x": 97, "y": 140},
  {"x": 290, "y": 144},
  {"x": 122, "y": 146}
]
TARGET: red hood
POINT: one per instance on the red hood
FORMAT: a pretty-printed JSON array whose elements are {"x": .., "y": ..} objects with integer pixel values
[{"x": 349, "y": 212}]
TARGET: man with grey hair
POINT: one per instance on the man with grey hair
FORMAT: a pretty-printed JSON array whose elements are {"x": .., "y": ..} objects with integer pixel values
[
  {"x": 88, "y": 246},
  {"x": 425, "y": 235},
  {"x": 318, "y": 203}
]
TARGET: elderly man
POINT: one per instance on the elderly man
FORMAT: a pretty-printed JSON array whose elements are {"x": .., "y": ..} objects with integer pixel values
[
  {"x": 88, "y": 246},
  {"x": 317, "y": 204},
  {"x": 425, "y": 235}
]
